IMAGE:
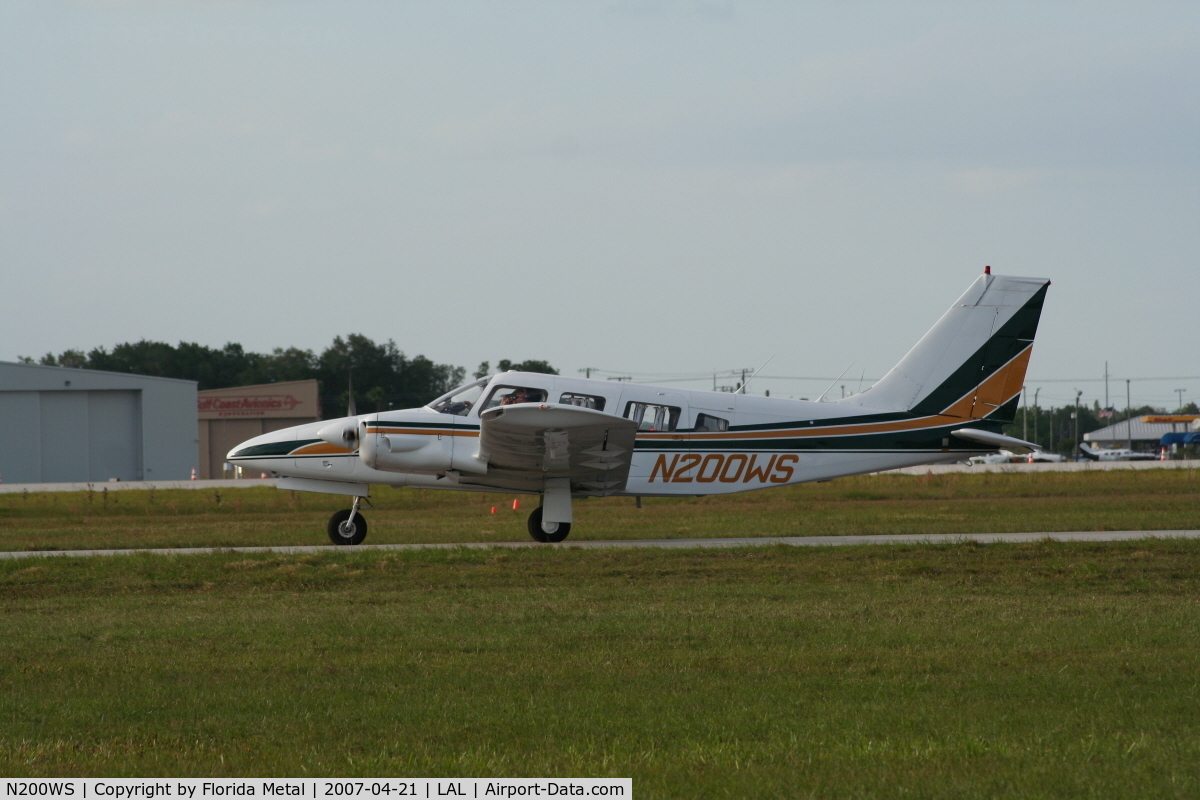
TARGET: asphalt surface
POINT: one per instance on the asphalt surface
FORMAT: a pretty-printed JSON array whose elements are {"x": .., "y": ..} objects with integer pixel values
[{"x": 666, "y": 544}]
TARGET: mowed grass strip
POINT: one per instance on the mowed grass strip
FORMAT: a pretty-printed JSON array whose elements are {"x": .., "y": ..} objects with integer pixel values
[
  {"x": 1039, "y": 670},
  {"x": 871, "y": 504}
]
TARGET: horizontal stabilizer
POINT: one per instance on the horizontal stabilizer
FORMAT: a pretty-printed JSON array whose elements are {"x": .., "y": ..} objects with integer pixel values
[{"x": 996, "y": 440}]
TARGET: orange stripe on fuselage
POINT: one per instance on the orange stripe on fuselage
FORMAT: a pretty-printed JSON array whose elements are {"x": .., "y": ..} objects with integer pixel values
[
  {"x": 321, "y": 449},
  {"x": 424, "y": 431}
]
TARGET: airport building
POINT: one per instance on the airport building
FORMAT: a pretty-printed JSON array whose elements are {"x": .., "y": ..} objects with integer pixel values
[
  {"x": 1144, "y": 432},
  {"x": 230, "y": 416},
  {"x": 81, "y": 425}
]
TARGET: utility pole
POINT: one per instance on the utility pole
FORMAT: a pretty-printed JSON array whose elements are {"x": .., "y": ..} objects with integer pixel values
[
  {"x": 1036, "y": 414},
  {"x": 1078, "y": 392},
  {"x": 1025, "y": 414},
  {"x": 1106, "y": 384},
  {"x": 1180, "y": 391},
  {"x": 1128, "y": 418},
  {"x": 587, "y": 371}
]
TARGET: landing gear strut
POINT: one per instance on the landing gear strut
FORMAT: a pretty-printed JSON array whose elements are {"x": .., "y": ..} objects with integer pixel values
[{"x": 347, "y": 526}]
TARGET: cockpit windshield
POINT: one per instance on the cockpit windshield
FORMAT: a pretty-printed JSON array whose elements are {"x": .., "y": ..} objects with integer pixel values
[{"x": 460, "y": 401}]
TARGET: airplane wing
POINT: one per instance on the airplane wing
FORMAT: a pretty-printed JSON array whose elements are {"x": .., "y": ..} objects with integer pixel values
[{"x": 526, "y": 444}]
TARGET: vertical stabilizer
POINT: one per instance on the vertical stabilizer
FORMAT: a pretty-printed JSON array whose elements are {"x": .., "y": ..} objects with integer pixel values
[{"x": 972, "y": 363}]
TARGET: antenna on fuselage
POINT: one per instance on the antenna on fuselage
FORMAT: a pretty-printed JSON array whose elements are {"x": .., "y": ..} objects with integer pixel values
[
  {"x": 821, "y": 399},
  {"x": 746, "y": 382}
]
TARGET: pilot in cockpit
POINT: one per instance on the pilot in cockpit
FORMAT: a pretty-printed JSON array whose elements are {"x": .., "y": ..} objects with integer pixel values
[{"x": 521, "y": 394}]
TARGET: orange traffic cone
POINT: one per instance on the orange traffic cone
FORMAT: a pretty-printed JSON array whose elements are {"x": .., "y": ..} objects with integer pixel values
[
  {"x": 516, "y": 504},
  {"x": 193, "y": 473},
  {"x": 493, "y": 509}
]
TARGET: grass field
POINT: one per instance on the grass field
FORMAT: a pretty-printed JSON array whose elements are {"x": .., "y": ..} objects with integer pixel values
[
  {"x": 950, "y": 503},
  {"x": 1042, "y": 670},
  {"x": 1039, "y": 670}
]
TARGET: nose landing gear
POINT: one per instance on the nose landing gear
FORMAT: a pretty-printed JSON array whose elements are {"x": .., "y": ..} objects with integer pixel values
[{"x": 347, "y": 526}]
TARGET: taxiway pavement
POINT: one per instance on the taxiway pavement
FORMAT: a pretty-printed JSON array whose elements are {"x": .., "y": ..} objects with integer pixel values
[{"x": 677, "y": 544}]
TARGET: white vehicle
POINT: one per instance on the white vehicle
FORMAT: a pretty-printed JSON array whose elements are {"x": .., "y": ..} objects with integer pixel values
[
  {"x": 1003, "y": 457},
  {"x": 1114, "y": 454},
  {"x": 1009, "y": 457},
  {"x": 1042, "y": 457},
  {"x": 566, "y": 438}
]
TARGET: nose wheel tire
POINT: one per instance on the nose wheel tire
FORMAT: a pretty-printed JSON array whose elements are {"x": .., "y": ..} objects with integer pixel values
[
  {"x": 561, "y": 530},
  {"x": 342, "y": 531}
]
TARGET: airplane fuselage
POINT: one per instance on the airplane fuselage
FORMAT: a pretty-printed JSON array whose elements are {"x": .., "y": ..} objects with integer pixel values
[{"x": 719, "y": 442}]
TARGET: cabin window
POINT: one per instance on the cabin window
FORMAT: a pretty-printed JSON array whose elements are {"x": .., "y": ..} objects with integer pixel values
[
  {"x": 707, "y": 422},
  {"x": 582, "y": 400},
  {"x": 512, "y": 395},
  {"x": 652, "y": 417}
]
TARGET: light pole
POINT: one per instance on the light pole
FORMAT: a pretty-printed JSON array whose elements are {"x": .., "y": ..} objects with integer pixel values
[{"x": 1180, "y": 393}]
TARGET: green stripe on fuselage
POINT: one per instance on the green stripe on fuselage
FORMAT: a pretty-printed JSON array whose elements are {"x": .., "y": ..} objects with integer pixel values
[{"x": 273, "y": 448}]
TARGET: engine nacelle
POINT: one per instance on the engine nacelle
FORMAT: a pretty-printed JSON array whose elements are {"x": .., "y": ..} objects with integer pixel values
[
  {"x": 381, "y": 446},
  {"x": 428, "y": 454}
]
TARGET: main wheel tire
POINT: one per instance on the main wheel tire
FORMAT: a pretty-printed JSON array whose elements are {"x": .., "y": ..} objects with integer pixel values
[
  {"x": 342, "y": 531},
  {"x": 539, "y": 535}
]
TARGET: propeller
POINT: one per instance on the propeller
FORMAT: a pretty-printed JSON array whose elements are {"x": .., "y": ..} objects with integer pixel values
[{"x": 344, "y": 432}]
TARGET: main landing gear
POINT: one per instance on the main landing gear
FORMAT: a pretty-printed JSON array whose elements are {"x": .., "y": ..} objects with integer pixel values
[
  {"x": 555, "y": 507},
  {"x": 347, "y": 526},
  {"x": 560, "y": 530}
]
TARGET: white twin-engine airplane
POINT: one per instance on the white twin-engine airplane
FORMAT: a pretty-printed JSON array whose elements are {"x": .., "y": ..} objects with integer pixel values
[{"x": 564, "y": 438}]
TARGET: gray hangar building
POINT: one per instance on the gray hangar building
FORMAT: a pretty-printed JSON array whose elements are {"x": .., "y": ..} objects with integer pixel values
[{"x": 81, "y": 425}]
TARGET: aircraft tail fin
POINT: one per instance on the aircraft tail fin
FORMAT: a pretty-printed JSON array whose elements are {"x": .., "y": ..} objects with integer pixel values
[{"x": 972, "y": 363}]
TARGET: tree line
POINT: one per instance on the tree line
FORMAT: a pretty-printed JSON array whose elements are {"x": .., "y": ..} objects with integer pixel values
[{"x": 382, "y": 376}]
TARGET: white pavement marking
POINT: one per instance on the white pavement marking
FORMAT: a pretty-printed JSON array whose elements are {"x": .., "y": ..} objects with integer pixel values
[{"x": 795, "y": 541}]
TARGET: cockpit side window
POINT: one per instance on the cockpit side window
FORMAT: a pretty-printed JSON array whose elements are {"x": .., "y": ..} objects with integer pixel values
[
  {"x": 460, "y": 401},
  {"x": 512, "y": 395},
  {"x": 652, "y": 417}
]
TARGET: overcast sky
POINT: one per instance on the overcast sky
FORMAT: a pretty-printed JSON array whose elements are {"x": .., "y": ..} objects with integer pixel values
[{"x": 651, "y": 188}]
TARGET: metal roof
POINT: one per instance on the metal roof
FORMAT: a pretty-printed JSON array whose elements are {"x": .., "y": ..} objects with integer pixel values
[{"x": 1136, "y": 430}]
